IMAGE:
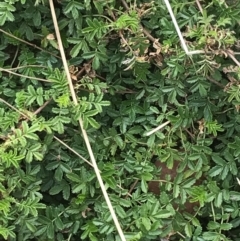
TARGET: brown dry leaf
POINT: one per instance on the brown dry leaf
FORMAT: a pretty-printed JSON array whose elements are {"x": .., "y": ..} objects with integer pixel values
[
  {"x": 145, "y": 8},
  {"x": 73, "y": 70},
  {"x": 158, "y": 59},
  {"x": 201, "y": 126},
  {"x": 232, "y": 79},
  {"x": 238, "y": 181},
  {"x": 92, "y": 74},
  {"x": 230, "y": 69},
  {"x": 50, "y": 36},
  {"x": 156, "y": 56},
  {"x": 87, "y": 68},
  {"x": 221, "y": 53},
  {"x": 237, "y": 107},
  {"x": 84, "y": 213},
  {"x": 141, "y": 59},
  {"x": 157, "y": 46},
  {"x": 147, "y": 42},
  {"x": 73, "y": 77},
  {"x": 237, "y": 45}
]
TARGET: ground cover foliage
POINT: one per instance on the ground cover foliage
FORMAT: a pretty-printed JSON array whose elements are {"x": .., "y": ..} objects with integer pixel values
[{"x": 128, "y": 81}]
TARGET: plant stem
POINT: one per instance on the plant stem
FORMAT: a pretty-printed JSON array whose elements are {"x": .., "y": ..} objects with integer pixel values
[{"x": 84, "y": 133}]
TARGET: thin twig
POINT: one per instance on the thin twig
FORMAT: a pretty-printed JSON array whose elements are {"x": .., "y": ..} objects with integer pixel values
[
  {"x": 214, "y": 81},
  {"x": 125, "y": 4},
  {"x": 84, "y": 133},
  {"x": 233, "y": 58},
  {"x": 12, "y": 107},
  {"x": 189, "y": 133},
  {"x": 72, "y": 150},
  {"x": 199, "y": 6},
  {"x": 125, "y": 41},
  {"x": 56, "y": 138},
  {"x": 181, "y": 235},
  {"x": 24, "y": 76},
  {"x": 42, "y": 107},
  {"x": 23, "y": 114},
  {"x": 15, "y": 56},
  {"x": 89, "y": 163},
  {"x": 131, "y": 188},
  {"x": 26, "y": 42},
  {"x": 83, "y": 68},
  {"x": 148, "y": 35},
  {"x": 37, "y": 112},
  {"x": 27, "y": 66},
  {"x": 157, "y": 128},
  {"x": 184, "y": 46}
]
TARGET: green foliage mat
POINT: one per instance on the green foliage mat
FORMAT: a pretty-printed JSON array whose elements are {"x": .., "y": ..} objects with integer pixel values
[{"x": 130, "y": 75}]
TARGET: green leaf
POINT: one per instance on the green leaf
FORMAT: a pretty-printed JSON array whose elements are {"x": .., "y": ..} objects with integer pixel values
[
  {"x": 234, "y": 195},
  {"x": 52, "y": 165},
  {"x": 92, "y": 237},
  {"x": 146, "y": 223},
  {"x": 93, "y": 123},
  {"x": 188, "y": 230},
  {"x": 74, "y": 177},
  {"x": 164, "y": 198},
  {"x": 140, "y": 94},
  {"x": 196, "y": 222},
  {"x": 120, "y": 212},
  {"x": 146, "y": 176},
  {"x": 65, "y": 167},
  {"x": 66, "y": 192},
  {"x": 59, "y": 224},
  {"x": 88, "y": 55},
  {"x": 91, "y": 113},
  {"x": 95, "y": 28},
  {"x": 37, "y": 19},
  {"x": 30, "y": 206},
  {"x": 58, "y": 174},
  {"x": 7, "y": 232},
  {"x": 154, "y": 110},
  {"x": 31, "y": 90},
  {"x": 144, "y": 186},
  {"x": 176, "y": 190},
  {"x": 216, "y": 170},
  {"x": 30, "y": 226},
  {"x": 127, "y": 21},
  {"x": 218, "y": 200},
  {"x": 151, "y": 140},
  {"x": 163, "y": 214},
  {"x": 55, "y": 189},
  {"x": 218, "y": 160},
  {"x": 25, "y": 127},
  {"x": 211, "y": 236},
  {"x": 125, "y": 203},
  {"x": 119, "y": 141},
  {"x": 5, "y": 206},
  {"x": 50, "y": 231},
  {"x": 73, "y": 7},
  {"x": 213, "y": 225},
  {"x": 96, "y": 63},
  {"x": 226, "y": 226}
]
